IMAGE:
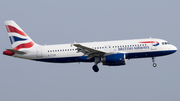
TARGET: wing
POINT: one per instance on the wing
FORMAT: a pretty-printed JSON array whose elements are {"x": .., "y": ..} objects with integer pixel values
[{"x": 90, "y": 52}]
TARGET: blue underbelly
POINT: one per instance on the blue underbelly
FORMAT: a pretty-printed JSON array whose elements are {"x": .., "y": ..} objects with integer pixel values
[
  {"x": 67, "y": 59},
  {"x": 148, "y": 54},
  {"x": 128, "y": 56}
]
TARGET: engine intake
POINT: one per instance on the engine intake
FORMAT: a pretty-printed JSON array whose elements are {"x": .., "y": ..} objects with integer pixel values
[{"x": 114, "y": 59}]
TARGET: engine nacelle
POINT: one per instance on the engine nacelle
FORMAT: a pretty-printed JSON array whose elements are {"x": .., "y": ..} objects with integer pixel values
[{"x": 114, "y": 59}]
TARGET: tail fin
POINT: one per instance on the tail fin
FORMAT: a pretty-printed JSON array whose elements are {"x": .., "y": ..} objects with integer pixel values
[{"x": 19, "y": 39}]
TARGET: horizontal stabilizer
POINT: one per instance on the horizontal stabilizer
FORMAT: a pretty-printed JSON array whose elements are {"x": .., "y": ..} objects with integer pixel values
[{"x": 16, "y": 51}]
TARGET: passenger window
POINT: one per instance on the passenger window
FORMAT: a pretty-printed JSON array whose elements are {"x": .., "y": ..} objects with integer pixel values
[{"x": 166, "y": 43}]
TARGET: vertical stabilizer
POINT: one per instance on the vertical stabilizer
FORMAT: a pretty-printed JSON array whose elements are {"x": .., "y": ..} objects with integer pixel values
[{"x": 18, "y": 38}]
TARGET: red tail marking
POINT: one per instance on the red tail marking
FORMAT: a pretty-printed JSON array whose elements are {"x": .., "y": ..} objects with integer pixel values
[
  {"x": 7, "y": 29},
  {"x": 9, "y": 53},
  {"x": 13, "y": 29},
  {"x": 24, "y": 45}
]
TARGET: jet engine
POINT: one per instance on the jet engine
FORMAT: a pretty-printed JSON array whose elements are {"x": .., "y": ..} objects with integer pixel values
[{"x": 114, "y": 59}]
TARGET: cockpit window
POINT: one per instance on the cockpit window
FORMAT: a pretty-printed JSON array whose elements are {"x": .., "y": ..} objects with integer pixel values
[{"x": 165, "y": 43}]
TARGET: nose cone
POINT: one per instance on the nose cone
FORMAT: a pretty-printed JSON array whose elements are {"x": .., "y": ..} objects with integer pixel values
[{"x": 174, "y": 48}]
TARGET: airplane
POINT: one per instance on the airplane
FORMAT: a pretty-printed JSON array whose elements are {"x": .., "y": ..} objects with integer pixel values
[{"x": 110, "y": 53}]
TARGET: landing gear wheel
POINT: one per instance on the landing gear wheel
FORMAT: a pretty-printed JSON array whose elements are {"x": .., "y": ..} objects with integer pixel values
[
  {"x": 154, "y": 64},
  {"x": 95, "y": 68},
  {"x": 153, "y": 60}
]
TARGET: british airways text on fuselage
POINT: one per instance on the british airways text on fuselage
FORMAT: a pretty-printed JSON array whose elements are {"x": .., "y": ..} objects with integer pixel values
[{"x": 132, "y": 48}]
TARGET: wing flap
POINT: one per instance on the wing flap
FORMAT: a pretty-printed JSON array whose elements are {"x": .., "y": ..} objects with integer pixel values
[
  {"x": 87, "y": 48},
  {"x": 89, "y": 51}
]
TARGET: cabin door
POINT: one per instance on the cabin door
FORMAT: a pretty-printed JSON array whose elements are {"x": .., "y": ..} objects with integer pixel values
[{"x": 39, "y": 52}]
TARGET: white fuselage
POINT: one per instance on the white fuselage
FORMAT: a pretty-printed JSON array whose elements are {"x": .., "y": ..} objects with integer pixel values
[
  {"x": 137, "y": 48},
  {"x": 111, "y": 53}
]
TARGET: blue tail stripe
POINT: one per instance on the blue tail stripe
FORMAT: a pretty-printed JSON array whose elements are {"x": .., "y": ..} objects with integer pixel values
[
  {"x": 15, "y": 38},
  {"x": 11, "y": 40},
  {"x": 18, "y": 39}
]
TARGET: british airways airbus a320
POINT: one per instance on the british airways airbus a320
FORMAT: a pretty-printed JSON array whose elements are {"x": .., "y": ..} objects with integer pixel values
[{"x": 110, "y": 53}]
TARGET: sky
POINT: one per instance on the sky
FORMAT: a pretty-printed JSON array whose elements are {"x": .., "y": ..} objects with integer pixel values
[{"x": 64, "y": 21}]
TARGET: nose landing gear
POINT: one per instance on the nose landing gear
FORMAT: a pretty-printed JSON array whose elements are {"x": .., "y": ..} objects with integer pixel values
[
  {"x": 154, "y": 64},
  {"x": 153, "y": 60}
]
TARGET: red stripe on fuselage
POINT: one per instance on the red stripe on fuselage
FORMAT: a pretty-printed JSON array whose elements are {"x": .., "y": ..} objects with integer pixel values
[
  {"x": 24, "y": 45},
  {"x": 11, "y": 29},
  {"x": 149, "y": 42}
]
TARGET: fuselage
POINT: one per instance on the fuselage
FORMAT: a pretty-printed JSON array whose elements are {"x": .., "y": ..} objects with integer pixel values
[
  {"x": 64, "y": 53},
  {"x": 111, "y": 53}
]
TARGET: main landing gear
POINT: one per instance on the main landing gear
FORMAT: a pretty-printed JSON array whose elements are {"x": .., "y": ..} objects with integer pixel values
[
  {"x": 153, "y": 60},
  {"x": 95, "y": 67}
]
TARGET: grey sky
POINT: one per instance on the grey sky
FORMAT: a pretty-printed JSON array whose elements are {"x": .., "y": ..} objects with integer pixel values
[{"x": 55, "y": 22}]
